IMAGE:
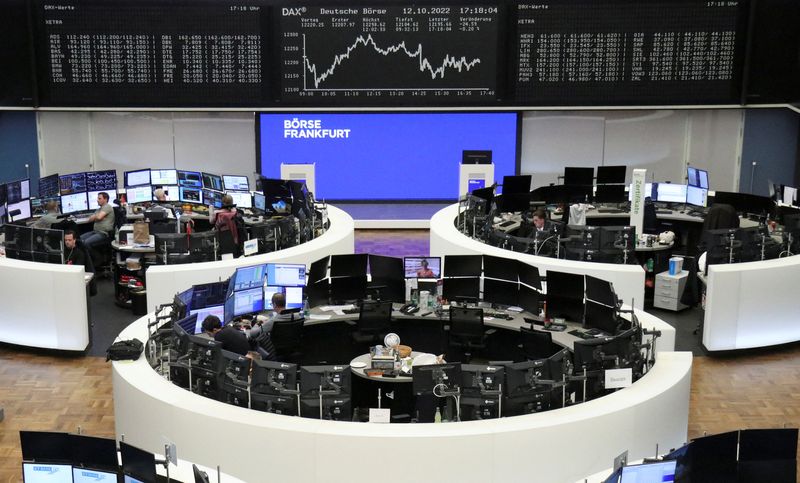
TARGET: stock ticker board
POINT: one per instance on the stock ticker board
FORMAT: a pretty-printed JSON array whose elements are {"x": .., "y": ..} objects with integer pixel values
[
  {"x": 389, "y": 54},
  {"x": 607, "y": 52}
]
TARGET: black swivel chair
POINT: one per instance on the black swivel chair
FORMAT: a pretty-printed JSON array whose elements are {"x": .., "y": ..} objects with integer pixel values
[
  {"x": 373, "y": 323},
  {"x": 536, "y": 344},
  {"x": 651, "y": 225},
  {"x": 287, "y": 337},
  {"x": 467, "y": 331}
]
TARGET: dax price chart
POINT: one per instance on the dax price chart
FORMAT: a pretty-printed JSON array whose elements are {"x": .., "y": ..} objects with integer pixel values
[{"x": 391, "y": 54}]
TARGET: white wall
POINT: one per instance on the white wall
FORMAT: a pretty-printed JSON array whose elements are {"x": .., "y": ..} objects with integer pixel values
[
  {"x": 216, "y": 142},
  {"x": 661, "y": 141}
]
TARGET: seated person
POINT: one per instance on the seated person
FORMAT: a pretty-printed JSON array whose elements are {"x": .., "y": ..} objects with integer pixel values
[
  {"x": 424, "y": 271},
  {"x": 103, "y": 220},
  {"x": 73, "y": 254},
  {"x": 50, "y": 217},
  {"x": 225, "y": 222},
  {"x": 539, "y": 227},
  {"x": 161, "y": 197},
  {"x": 232, "y": 339}
]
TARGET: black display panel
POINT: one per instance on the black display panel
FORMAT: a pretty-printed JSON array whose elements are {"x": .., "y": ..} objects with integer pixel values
[
  {"x": 611, "y": 52},
  {"x": 151, "y": 52},
  {"x": 16, "y": 55},
  {"x": 774, "y": 67},
  {"x": 388, "y": 54}
]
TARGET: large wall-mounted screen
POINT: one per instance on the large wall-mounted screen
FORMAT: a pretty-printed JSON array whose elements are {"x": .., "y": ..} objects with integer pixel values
[{"x": 386, "y": 156}]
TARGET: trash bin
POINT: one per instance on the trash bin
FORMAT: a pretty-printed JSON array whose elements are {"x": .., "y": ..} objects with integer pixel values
[{"x": 139, "y": 301}]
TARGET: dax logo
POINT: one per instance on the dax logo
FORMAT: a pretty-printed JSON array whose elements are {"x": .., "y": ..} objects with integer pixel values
[{"x": 288, "y": 12}]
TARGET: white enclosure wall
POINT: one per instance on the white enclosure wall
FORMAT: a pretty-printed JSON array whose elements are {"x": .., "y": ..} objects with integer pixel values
[{"x": 661, "y": 141}]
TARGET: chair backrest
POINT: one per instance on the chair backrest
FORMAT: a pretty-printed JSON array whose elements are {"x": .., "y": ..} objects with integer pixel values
[
  {"x": 466, "y": 322},
  {"x": 720, "y": 216},
  {"x": 226, "y": 243},
  {"x": 374, "y": 317},
  {"x": 120, "y": 217},
  {"x": 536, "y": 344},
  {"x": 287, "y": 334},
  {"x": 650, "y": 218}
]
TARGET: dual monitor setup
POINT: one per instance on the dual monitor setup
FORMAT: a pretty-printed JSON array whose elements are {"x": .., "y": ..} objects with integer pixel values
[
  {"x": 15, "y": 200},
  {"x": 77, "y": 192},
  {"x": 187, "y": 187},
  {"x": 53, "y": 457}
]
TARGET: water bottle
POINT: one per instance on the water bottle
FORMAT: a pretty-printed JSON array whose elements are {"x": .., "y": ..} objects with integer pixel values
[
  {"x": 305, "y": 308},
  {"x": 437, "y": 418}
]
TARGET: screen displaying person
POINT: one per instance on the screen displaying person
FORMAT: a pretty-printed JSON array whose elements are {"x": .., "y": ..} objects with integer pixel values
[{"x": 424, "y": 271}]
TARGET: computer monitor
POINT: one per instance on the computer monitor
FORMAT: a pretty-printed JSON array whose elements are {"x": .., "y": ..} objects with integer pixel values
[
  {"x": 346, "y": 289},
  {"x": 696, "y": 196},
  {"x": 529, "y": 299},
  {"x": 249, "y": 277},
  {"x": 17, "y": 191},
  {"x": 529, "y": 275},
  {"x": 46, "y": 473},
  {"x": 218, "y": 310},
  {"x": 386, "y": 268},
  {"x": 517, "y": 184},
  {"x": 422, "y": 267},
  {"x": 207, "y": 294},
  {"x": 612, "y": 193},
  {"x": 611, "y": 174},
  {"x": 190, "y": 195},
  {"x": 462, "y": 265},
  {"x": 212, "y": 198},
  {"x": 500, "y": 292},
  {"x": 24, "y": 208},
  {"x": 286, "y": 274},
  {"x": 235, "y": 182},
  {"x": 45, "y": 446},
  {"x": 137, "y": 463},
  {"x": 103, "y": 180},
  {"x": 318, "y": 270},
  {"x": 334, "y": 378},
  {"x": 171, "y": 192},
  {"x": 91, "y": 197},
  {"x": 348, "y": 265},
  {"x": 648, "y": 191},
  {"x": 3, "y": 193},
  {"x": 49, "y": 186},
  {"x": 248, "y": 301},
  {"x": 745, "y": 202},
  {"x": 273, "y": 378},
  {"x": 88, "y": 475},
  {"x": 241, "y": 199},
  {"x": 697, "y": 177},
  {"x": 161, "y": 177},
  {"x": 139, "y": 194},
  {"x": 656, "y": 471},
  {"x": 501, "y": 268},
  {"x": 94, "y": 452},
  {"x": 768, "y": 454},
  {"x": 425, "y": 378},
  {"x": 565, "y": 295},
  {"x": 669, "y": 192},
  {"x": 190, "y": 179},
  {"x": 259, "y": 202},
  {"x": 712, "y": 458},
  {"x": 212, "y": 182},
  {"x": 461, "y": 288},
  {"x": 137, "y": 178},
  {"x": 579, "y": 176},
  {"x": 294, "y": 296},
  {"x": 72, "y": 183}
]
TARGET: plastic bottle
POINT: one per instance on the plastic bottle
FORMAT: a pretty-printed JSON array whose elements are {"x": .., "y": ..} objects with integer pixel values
[
  {"x": 649, "y": 264},
  {"x": 437, "y": 418},
  {"x": 305, "y": 308}
]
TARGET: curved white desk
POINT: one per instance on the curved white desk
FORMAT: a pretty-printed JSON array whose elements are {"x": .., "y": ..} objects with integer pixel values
[
  {"x": 628, "y": 280},
  {"x": 43, "y": 305},
  {"x": 558, "y": 445},
  {"x": 164, "y": 281},
  {"x": 753, "y": 304}
]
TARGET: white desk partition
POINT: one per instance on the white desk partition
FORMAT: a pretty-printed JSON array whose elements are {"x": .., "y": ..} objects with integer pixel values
[
  {"x": 164, "y": 281},
  {"x": 43, "y": 305},
  {"x": 754, "y": 304},
  {"x": 301, "y": 172},
  {"x": 628, "y": 280},
  {"x": 558, "y": 445},
  {"x": 481, "y": 173}
]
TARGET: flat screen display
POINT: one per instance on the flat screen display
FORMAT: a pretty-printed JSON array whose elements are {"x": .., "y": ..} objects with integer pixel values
[
  {"x": 249, "y": 277},
  {"x": 160, "y": 177},
  {"x": 235, "y": 183},
  {"x": 259, "y": 201},
  {"x": 241, "y": 199},
  {"x": 24, "y": 208},
  {"x": 218, "y": 310},
  {"x": 248, "y": 301},
  {"x": 190, "y": 195},
  {"x": 212, "y": 182},
  {"x": 670, "y": 193},
  {"x": 92, "y": 198},
  {"x": 140, "y": 194},
  {"x": 696, "y": 196},
  {"x": 418, "y": 153},
  {"x": 294, "y": 296},
  {"x": 49, "y": 186},
  {"x": 72, "y": 183},
  {"x": 190, "y": 179},
  {"x": 171, "y": 192},
  {"x": 74, "y": 202},
  {"x": 697, "y": 177},
  {"x": 46, "y": 473},
  {"x": 104, "y": 180},
  {"x": 422, "y": 267},
  {"x": 83, "y": 475},
  {"x": 648, "y": 191},
  {"x": 137, "y": 178},
  {"x": 212, "y": 198},
  {"x": 286, "y": 274},
  {"x": 18, "y": 190},
  {"x": 658, "y": 472}
]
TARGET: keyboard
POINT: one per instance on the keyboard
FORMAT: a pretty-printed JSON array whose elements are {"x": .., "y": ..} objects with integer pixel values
[
  {"x": 497, "y": 315},
  {"x": 610, "y": 210},
  {"x": 663, "y": 212},
  {"x": 352, "y": 311}
]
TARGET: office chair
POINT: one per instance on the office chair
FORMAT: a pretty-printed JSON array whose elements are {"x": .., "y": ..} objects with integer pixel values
[
  {"x": 287, "y": 337},
  {"x": 227, "y": 244},
  {"x": 536, "y": 344},
  {"x": 650, "y": 220},
  {"x": 720, "y": 216},
  {"x": 467, "y": 331},
  {"x": 373, "y": 323}
]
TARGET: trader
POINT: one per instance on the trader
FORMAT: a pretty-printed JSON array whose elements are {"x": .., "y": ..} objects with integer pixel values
[
  {"x": 228, "y": 222},
  {"x": 50, "y": 217},
  {"x": 232, "y": 339},
  {"x": 73, "y": 254},
  {"x": 103, "y": 220},
  {"x": 540, "y": 226},
  {"x": 424, "y": 271}
]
